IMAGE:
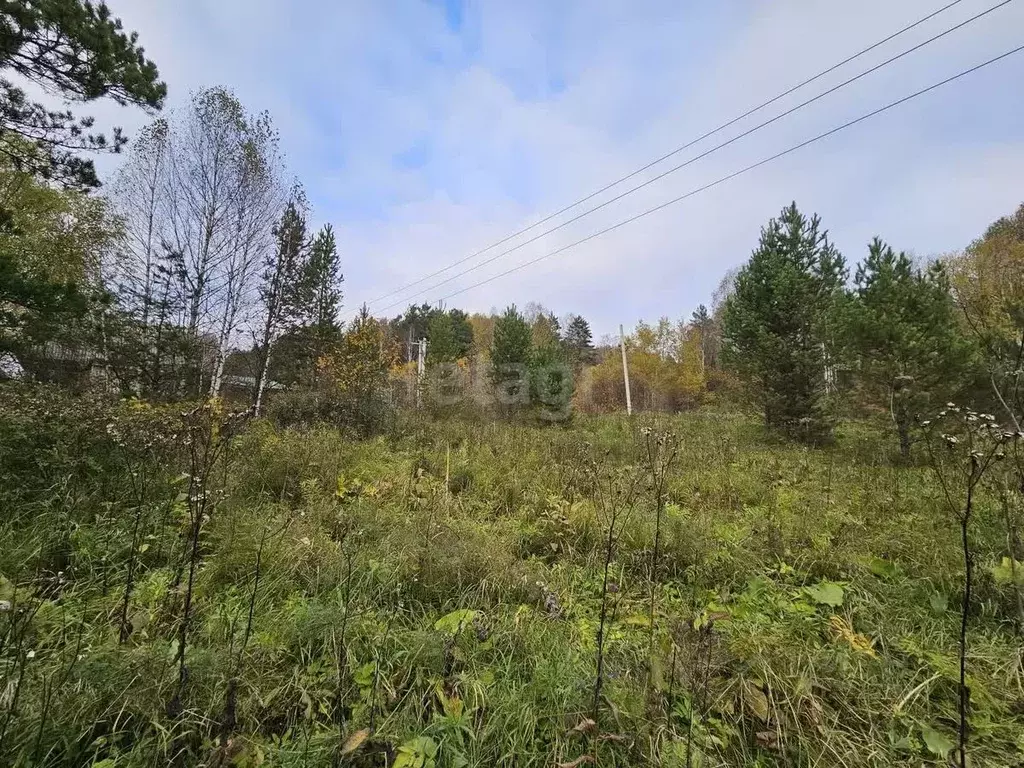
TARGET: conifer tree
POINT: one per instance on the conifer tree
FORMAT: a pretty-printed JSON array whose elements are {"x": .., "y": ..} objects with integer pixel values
[
  {"x": 78, "y": 50},
  {"x": 450, "y": 336},
  {"x": 322, "y": 280},
  {"x": 511, "y": 354},
  {"x": 578, "y": 341},
  {"x": 442, "y": 346},
  {"x": 704, "y": 324},
  {"x": 903, "y": 328},
  {"x": 779, "y": 324},
  {"x": 281, "y": 288}
]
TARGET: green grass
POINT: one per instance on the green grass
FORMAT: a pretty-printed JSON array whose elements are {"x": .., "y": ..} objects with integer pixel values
[{"x": 808, "y": 600}]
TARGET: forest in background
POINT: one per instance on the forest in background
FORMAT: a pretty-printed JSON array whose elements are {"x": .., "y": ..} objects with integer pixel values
[{"x": 241, "y": 531}]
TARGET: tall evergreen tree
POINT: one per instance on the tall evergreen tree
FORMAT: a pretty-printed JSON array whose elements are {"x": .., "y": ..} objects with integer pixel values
[
  {"x": 441, "y": 344},
  {"x": 463, "y": 332},
  {"x": 322, "y": 278},
  {"x": 449, "y": 335},
  {"x": 904, "y": 330},
  {"x": 511, "y": 354},
  {"x": 578, "y": 341},
  {"x": 779, "y": 324},
  {"x": 704, "y": 324},
  {"x": 316, "y": 328},
  {"x": 281, "y": 288},
  {"x": 78, "y": 50}
]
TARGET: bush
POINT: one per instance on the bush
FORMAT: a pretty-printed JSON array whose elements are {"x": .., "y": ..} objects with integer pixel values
[{"x": 363, "y": 414}]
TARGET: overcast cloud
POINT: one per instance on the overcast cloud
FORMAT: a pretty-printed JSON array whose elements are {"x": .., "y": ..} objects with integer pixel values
[{"x": 425, "y": 131}]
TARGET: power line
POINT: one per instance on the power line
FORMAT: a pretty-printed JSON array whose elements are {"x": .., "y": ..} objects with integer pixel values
[
  {"x": 674, "y": 152},
  {"x": 703, "y": 154},
  {"x": 733, "y": 175}
]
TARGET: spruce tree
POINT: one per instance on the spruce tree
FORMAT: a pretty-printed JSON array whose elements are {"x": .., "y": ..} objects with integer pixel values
[
  {"x": 779, "y": 324},
  {"x": 578, "y": 342},
  {"x": 903, "y": 328}
]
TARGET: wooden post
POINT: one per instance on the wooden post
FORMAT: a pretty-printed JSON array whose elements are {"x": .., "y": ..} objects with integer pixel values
[
  {"x": 421, "y": 360},
  {"x": 625, "y": 371}
]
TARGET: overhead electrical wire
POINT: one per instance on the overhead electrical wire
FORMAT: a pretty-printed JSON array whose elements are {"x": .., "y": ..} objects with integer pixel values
[
  {"x": 740, "y": 172},
  {"x": 674, "y": 152},
  {"x": 685, "y": 163}
]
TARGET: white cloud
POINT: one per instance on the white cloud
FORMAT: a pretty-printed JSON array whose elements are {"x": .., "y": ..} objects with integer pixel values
[{"x": 536, "y": 104}]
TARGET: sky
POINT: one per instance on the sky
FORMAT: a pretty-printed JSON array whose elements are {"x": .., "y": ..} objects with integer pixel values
[{"x": 426, "y": 130}]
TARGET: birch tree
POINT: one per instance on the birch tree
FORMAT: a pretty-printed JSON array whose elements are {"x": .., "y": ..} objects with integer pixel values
[{"x": 197, "y": 194}]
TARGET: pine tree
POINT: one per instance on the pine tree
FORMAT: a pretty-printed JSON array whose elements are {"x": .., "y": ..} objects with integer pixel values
[
  {"x": 511, "y": 354},
  {"x": 545, "y": 330},
  {"x": 78, "y": 50},
  {"x": 316, "y": 329},
  {"x": 578, "y": 342},
  {"x": 442, "y": 346},
  {"x": 463, "y": 332},
  {"x": 450, "y": 336},
  {"x": 321, "y": 279},
  {"x": 779, "y": 324},
  {"x": 704, "y": 324},
  {"x": 282, "y": 285},
  {"x": 903, "y": 327}
]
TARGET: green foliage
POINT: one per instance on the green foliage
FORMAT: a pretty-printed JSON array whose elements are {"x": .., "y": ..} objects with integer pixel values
[
  {"x": 449, "y": 336},
  {"x": 904, "y": 331},
  {"x": 322, "y": 279},
  {"x": 826, "y": 593},
  {"x": 578, "y": 342},
  {"x": 794, "y": 618},
  {"x": 51, "y": 243},
  {"x": 551, "y": 382},
  {"x": 779, "y": 324},
  {"x": 511, "y": 354},
  {"x": 79, "y": 50},
  {"x": 417, "y": 753}
]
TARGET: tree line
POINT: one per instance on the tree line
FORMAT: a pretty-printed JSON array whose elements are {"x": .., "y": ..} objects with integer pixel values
[{"x": 198, "y": 273}]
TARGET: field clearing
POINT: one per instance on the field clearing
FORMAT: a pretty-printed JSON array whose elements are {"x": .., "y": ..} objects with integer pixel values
[{"x": 434, "y": 597}]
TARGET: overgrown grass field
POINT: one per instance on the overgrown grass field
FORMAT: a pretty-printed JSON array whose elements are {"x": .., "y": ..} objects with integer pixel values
[{"x": 179, "y": 589}]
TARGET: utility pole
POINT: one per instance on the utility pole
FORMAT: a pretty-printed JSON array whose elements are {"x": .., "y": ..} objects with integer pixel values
[
  {"x": 625, "y": 371},
  {"x": 421, "y": 360}
]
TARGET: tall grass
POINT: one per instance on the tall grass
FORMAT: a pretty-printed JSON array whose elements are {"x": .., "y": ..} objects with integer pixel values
[{"x": 446, "y": 595}]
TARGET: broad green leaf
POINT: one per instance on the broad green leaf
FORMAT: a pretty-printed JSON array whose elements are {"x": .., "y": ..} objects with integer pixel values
[
  {"x": 416, "y": 753},
  {"x": 826, "y": 593},
  {"x": 1008, "y": 572},
  {"x": 455, "y": 621},
  {"x": 938, "y": 602},
  {"x": 364, "y": 675},
  {"x": 883, "y": 568},
  {"x": 937, "y": 743},
  {"x": 908, "y": 743}
]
